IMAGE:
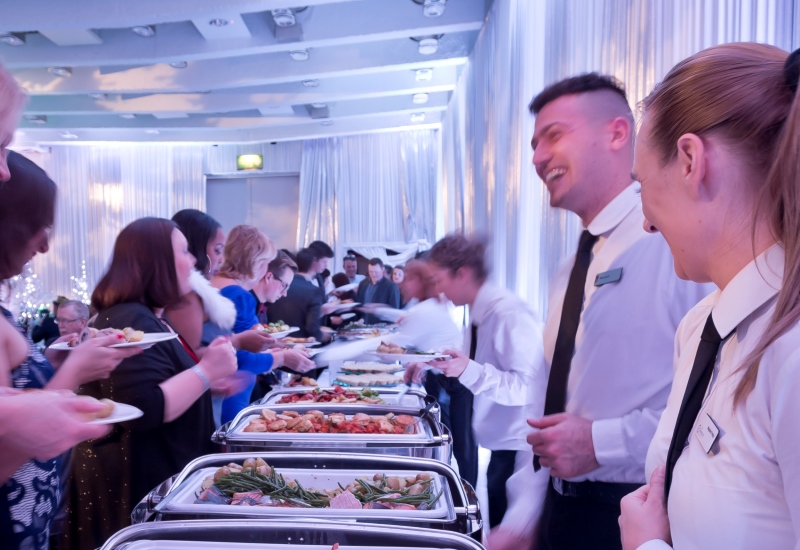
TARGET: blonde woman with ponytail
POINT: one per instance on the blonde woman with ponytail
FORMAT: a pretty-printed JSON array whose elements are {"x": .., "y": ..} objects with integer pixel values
[{"x": 718, "y": 157}]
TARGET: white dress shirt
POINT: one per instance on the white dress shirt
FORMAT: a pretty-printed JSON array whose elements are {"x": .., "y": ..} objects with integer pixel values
[
  {"x": 622, "y": 367},
  {"x": 745, "y": 492},
  {"x": 357, "y": 278},
  {"x": 426, "y": 325}
]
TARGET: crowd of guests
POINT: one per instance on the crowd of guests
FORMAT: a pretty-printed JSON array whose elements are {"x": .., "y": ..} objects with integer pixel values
[{"x": 654, "y": 408}]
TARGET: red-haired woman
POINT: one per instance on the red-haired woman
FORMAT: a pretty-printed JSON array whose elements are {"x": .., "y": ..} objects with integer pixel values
[{"x": 149, "y": 271}]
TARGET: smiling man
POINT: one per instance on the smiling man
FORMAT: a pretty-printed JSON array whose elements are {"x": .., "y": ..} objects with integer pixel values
[{"x": 613, "y": 311}]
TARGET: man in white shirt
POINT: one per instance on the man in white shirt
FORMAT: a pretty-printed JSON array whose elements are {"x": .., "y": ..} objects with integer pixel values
[
  {"x": 350, "y": 265},
  {"x": 504, "y": 370},
  {"x": 613, "y": 312}
]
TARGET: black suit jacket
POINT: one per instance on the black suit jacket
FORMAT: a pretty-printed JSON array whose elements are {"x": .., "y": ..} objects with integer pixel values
[
  {"x": 386, "y": 292},
  {"x": 299, "y": 308}
]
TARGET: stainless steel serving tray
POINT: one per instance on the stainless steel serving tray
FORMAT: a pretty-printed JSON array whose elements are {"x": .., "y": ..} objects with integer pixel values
[
  {"x": 432, "y": 439},
  {"x": 413, "y": 400},
  {"x": 239, "y": 534},
  {"x": 457, "y": 509}
]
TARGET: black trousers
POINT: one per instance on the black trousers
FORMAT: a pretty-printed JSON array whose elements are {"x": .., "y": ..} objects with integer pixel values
[
  {"x": 457, "y": 415},
  {"x": 501, "y": 467},
  {"x": 579, "y": 522}
]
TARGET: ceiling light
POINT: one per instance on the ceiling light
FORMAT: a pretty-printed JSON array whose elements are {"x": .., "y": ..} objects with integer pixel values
[
  {"x": 65, "y": 72},
  {"x": 299, "y": 55},
  {"x": 69, "y": 135},
  {"x": 36, "y": 119},
  {"x": 178, "y": 64},
  {"x": 419, "y": 99},
  {"x": 283, "y": 17},
  {"x": 433, "y": 8},
  {"x": 428, "y": 46},
  {"x": 127, "y": 116},
  {"x": 424, "y": 75},
  {"x": 219, "y": 22},
  {"x": 152, "y": 131},
  {"x": 98, "y": 96},
  {"x": 319, "y": 105},
  {"x": 313, "y": 83},
  {"x": 12, "y": 39},
  {"x": 418, "y": 117},
  {"x": 326, "y": 122},
  {"x": 144, "y": 30}
]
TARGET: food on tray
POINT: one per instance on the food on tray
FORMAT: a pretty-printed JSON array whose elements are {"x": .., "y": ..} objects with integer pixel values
[
  {"x": 256, "y": 483},
  {"x": 334, "y": 423},
  {"x": 370, "y": 367},
  {"x": 336, "y": 395},
  {"x": 388, "y": 347},
  {"x": 296, "y": 340},
  {"x": 298, "y": 380},
  {"x": 129, "y": 334},
  {"x": 277, "y": 326},
  {"x": 379, "y": 379}
]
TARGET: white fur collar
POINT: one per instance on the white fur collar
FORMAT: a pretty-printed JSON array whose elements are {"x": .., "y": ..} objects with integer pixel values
[{"x": 220, "y": 310}]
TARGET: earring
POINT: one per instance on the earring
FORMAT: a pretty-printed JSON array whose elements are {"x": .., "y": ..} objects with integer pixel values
[{"x": 208, "y": 269}]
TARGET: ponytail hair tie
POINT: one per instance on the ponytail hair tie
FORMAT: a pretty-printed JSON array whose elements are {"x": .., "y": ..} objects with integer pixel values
[{"x": 791, "y": 70}]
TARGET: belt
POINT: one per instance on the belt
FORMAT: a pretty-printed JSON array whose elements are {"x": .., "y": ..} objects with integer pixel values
[{"x": 600, "y": 491}]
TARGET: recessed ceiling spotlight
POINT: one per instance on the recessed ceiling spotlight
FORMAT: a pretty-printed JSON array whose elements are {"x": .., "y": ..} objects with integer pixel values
[
  {"x": 99, "y": 96},
  {"x": 152, "y": 131},
  {"x": 220, "y": 22},
  {"x": 419, "y": 99},
  {"x": 433, "y": 8},
  {"x": 65, "y": 72},
  {"x": 69, "y": 135},
  {"x": 299, "y": 55},
  {"x": 312, "y": 83},
  {"x": 36, "y": 119},
  {"x": 319, "y": 105},
  {"x": 424, "y": 75},
  {"x": 178, "y": 64},
  {"x": 283, "y": 17},
  {"x": 144, "y": 30},
  {"x": 428, "y": 46},
  {"x": 418, "y": 117},
  {"x": 127, "y": 116},
  {"x": 326, "y": 122},
  {"x": 12, "y": 38}
]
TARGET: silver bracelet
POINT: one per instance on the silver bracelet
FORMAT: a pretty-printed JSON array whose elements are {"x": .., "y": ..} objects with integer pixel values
[{"x": 203, "y": 378}]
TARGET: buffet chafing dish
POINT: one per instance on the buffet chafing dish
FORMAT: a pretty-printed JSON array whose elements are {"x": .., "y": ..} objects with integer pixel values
[
  {"x": 236, "y": 534},
  {"x": 457, "y": 508},
  {"x": 413, "y": 400},
  {"x": 431, "y": 440}
]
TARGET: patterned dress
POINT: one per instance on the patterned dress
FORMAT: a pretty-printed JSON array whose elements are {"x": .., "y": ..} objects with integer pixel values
[{"x": 29, "y": 500}]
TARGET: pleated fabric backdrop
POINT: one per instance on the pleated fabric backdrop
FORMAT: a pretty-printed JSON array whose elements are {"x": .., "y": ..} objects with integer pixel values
[{"x": 489, "y": 184}]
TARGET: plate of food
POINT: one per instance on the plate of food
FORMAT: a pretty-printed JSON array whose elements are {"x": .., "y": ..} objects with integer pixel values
[
  {"x": 393, "y": 352},
  {"x": 309, "y": 342},
  {"x": 299, "y": 380},
  {"x": 114, "y": 412},
  {"x": 368, "y": 380},
  {"x": 278, "y": 329},
  {"x": 132, "y": 338},
  {"x": 370, "y": 367}
]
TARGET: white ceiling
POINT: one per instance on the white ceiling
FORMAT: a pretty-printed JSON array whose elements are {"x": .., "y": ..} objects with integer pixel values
[{"x": 240, "y": 83}]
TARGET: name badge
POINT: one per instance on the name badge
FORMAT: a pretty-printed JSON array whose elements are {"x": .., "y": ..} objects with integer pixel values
[
  {"x": 611, "y": 276},
  {"x": 706, "y": 431}
]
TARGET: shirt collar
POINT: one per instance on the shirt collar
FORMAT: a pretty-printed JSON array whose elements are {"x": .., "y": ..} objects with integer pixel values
[
  {"x": 616, "y": 210},
  {"x": 483, "y": 302},
  {"x": 751, "y": 288}
]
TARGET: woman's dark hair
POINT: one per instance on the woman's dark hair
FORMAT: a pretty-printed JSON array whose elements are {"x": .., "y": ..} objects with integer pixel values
[
  {"x": 340, "y": 279},
  {"x": 198, "y": 228},
  {"x": 280, "y": 264},
  {"x": 27, "y": 205},
  {"x": 142, "y": 267}
]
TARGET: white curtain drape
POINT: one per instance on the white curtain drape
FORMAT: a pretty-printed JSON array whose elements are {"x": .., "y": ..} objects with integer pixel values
[
  {"x": 489, "y": 184},
  {"x": 375, "y": 188}
]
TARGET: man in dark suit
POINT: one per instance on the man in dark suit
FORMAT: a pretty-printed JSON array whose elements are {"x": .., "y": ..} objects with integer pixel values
[
  {"x": 303, "y": 301},
  {"x": 377, "y": 289}
]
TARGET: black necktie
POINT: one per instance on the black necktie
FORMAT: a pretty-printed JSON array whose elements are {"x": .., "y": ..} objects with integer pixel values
[
  {"x": 556, "y": 398},
  {"x": 693, "y": 396},
  {"x": 473, "y": 341}
]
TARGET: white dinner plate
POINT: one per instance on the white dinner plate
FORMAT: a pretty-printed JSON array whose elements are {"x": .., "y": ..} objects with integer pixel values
[
  {"x": 410, "y": 357},
  {"x": 279, "y": 335},
  {"x": 347, "y": 316},
  {"x": 148, "y": 340},
  {"x": 348, "y": 305},
  {"x": 121, "y": 413}
]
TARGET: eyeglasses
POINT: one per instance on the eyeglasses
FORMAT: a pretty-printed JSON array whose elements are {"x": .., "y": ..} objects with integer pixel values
[
  {"x": 349, "y": 257},
  {"x": 284, "y": 286},
  {"x": 65, "y": 321}
]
